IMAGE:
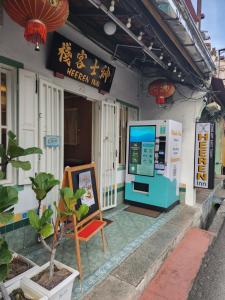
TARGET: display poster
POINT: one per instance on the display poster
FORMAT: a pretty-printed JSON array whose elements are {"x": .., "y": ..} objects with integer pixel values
[
  {"x": 204, "y": 155},
  {"x": 85, "y": 182},
  {"x": 141, "y": 150}
]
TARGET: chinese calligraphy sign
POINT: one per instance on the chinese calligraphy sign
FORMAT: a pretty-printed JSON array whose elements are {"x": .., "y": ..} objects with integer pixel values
[{"x": 69, "y": 59}]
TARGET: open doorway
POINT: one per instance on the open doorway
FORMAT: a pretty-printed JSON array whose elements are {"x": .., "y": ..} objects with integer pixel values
[{"x": 77, "y": 130}]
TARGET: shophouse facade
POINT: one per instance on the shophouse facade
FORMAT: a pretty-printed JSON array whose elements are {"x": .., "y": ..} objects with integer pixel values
[{"x": 38, "y": 104}]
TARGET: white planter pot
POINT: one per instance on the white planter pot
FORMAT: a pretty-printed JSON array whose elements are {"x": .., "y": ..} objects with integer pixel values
[
  {"x": 28, "y": 292},
  {"x": 33, "y": 270},
  {"x": 63, "y": 290}
]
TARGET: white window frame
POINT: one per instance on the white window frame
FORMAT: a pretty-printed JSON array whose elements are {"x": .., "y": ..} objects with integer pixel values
[
  {"x": 129, "y": 110},
  {"x": 11, "y": 79}
]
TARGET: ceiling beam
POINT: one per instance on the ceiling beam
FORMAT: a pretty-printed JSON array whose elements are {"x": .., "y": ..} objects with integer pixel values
[
  {"x": 98, "y": 4},
  {"x": 152, "y": 10}
]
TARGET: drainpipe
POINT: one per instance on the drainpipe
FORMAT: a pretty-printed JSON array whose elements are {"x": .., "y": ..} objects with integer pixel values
[
  {"x": 199, "y": 14},
  {"x": 98, "y": 4}
]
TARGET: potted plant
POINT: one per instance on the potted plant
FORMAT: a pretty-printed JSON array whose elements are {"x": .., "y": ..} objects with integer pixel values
[
  {"x": 54, "y": 279},
  {"x": 8, "y": 198},
  {"x": 20, "y": 290}
]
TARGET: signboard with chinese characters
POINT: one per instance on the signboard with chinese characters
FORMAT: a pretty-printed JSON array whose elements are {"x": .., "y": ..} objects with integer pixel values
[
  {"x": 204, "y": 155},
  {"x": 71, "y": 60}
]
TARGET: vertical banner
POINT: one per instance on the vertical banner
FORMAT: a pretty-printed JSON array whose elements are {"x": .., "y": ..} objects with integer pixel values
[{"x": 204, "y": 155}]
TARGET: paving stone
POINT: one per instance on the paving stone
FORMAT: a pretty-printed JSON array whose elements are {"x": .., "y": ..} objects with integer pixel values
[
  {"x": 112, "y": 288},
  {"x": 134, "y": 268},
  {"x": 185, "y": 215}
]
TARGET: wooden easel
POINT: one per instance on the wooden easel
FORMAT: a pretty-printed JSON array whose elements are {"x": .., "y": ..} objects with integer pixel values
[{"x": 91, "y": 224}]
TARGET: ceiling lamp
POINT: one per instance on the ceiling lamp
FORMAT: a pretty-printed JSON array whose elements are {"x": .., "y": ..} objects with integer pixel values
[
  {"x": 179, "y": 75},
  {"x": 128, "y": 23},
  {"x": 112, "y": 6},
  {"x": 150, "y": 46},
  {"x": 38, "y": 17},
  {"x": 182, "y": 80},
  {"x": 110, "y": 28},
  {"x": 169, "y": 64},
  {"x": 161, "y": 56},
  {"x": 161, "y": 89},
  {"x": 140, "y": 35},
  {"x": 175, "y": 70}
]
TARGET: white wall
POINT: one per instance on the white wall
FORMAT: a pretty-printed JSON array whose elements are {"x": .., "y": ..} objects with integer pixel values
[
  {"x": 185, "y": 111},
  {"x": 13, "y": 45}
]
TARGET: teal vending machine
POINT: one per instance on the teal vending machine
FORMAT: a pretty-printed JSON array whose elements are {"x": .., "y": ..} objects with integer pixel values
[{"x": 153, "y": 163}]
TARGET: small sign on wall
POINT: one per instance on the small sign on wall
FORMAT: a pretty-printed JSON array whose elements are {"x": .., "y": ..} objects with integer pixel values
[
  {"x": 52, "y": 141},
  {"x": 204, "y": 155}
]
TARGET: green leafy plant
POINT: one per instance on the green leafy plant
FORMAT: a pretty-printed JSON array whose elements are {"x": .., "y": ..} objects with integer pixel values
[
  {"x": 9, "y": 196},
  {"x": 13, "y": 153},
  {"x": 45, "y": 226},
  {"x": 42, "y": 184}
]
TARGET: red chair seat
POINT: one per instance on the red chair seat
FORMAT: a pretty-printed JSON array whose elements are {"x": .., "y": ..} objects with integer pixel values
[{"x": 90, "y": 229}]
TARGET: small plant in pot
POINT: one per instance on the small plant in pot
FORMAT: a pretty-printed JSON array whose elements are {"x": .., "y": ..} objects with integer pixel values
[
  {"x": 10, "y": 155},
  {"x": 54, "y": 276}
]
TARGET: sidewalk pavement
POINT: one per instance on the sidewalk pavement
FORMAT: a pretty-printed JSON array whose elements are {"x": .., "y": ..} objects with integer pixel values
[
  {"x": 129, "y": 279},
  {"x": 176, "y": 275}
]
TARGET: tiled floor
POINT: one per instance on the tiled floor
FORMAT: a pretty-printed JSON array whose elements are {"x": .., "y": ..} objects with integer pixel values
[{"x": 123, "y": 235}]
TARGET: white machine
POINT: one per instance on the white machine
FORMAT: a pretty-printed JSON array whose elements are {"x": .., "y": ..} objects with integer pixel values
[{"x": 153, "y": 163}]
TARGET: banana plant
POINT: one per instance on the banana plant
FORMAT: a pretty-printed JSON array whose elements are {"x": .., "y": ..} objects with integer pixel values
[
  {"x": 45, "y": 226},
  {"x": 9, "y": 196}
]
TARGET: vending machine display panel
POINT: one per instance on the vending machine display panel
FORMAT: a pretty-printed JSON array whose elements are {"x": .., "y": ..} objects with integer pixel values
[{"x": 142, "y": 150}]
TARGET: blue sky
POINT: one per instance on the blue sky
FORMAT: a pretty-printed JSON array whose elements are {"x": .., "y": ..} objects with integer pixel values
[{"x": 214, "y": 21}]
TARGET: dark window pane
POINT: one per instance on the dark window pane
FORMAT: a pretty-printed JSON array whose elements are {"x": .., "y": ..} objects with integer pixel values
[
  {"x": 3, "y": 90},
  {"x": 3, "y": 141}
]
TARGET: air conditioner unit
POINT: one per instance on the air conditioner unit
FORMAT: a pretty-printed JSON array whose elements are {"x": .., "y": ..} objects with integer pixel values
[{"x": 213, "y": 107}]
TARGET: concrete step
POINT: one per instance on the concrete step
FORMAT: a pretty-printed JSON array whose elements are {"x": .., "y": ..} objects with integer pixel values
[
  {"x": 130, "y": 278},
  {"x": 220, "y": 193},
  {"x": 175, "y": 277}
]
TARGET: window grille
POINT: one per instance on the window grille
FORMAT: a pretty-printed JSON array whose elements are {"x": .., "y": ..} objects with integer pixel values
[
  {"x": 5, "y": 116},
  {"x": 127, "y": 113}
]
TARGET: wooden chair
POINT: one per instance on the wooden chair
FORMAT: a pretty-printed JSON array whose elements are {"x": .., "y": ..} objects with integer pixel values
[{"x": 90, "y": 225}]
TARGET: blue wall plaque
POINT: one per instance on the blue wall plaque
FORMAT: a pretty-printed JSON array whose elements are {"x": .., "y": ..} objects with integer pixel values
[{"x": 52, "y": 141}]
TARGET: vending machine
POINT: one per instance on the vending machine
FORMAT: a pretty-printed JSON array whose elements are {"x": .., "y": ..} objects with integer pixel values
[{"x": 153, "y": 163}]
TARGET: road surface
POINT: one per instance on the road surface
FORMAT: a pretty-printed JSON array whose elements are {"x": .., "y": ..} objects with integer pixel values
[{"x": 210, "y": 281}]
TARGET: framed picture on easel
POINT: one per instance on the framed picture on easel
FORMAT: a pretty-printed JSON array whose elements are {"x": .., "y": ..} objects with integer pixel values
[{"x": 83, "y": 177}]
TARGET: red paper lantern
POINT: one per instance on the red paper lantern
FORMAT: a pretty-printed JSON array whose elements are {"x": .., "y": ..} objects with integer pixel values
[
  {"x": 38, "y": 17},
  {"x": 161, "y": 89}
]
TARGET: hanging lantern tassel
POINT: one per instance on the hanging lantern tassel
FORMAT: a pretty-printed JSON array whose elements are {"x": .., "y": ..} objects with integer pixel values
[
  {"x": 36, "y": 33},
  {"x": 37, "y": 17},
  {"x": 160, "y": 100},
  {"x": 161, "y": 89}
]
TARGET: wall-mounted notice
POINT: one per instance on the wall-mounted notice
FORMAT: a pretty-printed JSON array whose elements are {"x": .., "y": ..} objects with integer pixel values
[{"x": 204, "y": 155}]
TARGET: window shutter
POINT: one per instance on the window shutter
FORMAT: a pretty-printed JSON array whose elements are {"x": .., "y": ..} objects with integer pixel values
[
  {"x": 28, "y": 121},
  {"x": 51, "y": 122},
  {"x": 132, "y": 114}
]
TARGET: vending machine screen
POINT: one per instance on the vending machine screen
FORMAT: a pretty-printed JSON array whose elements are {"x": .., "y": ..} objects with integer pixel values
[{"x": 141, "y": 150}]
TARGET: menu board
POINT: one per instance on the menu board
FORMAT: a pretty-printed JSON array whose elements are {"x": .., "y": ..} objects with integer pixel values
[{"x": 141, "y": 150}]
